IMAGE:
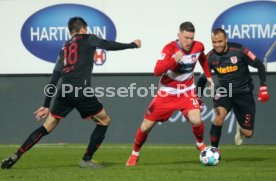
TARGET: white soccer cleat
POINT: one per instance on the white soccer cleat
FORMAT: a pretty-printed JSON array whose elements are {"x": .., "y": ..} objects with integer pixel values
[{"x": 238, "y": 136}]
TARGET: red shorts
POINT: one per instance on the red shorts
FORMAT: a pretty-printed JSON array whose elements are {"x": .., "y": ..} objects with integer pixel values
[{"x": 162, "y": 107}]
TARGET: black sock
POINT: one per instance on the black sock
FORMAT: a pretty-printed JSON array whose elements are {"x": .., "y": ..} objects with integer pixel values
[
  {"x": 215, "y": 134},
  {"x": 96, "y": 139},
  {"x": 32, "y": 140}
]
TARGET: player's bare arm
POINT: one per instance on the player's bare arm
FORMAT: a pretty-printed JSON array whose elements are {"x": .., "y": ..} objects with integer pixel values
[{"x": 211, "y": 82}]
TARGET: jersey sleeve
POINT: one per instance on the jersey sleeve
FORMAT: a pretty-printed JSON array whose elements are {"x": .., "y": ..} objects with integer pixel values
[
  {"x": 60, "y": 62},
  {"x": 165, "y": 62},
  {"x": 209, "y": 58},
  {"x": 204, "y": 64},
  {"x": 97, "y": 42},
  {"x": 251, "y": 59},
  {"x": 54, "y": 80},
  {"x": 200, "y": 85},
  {"x": 52, "y": 87}
]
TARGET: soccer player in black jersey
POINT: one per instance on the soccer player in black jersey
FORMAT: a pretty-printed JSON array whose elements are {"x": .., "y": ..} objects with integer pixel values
[
  {"x": 74, "y": 66},
  {"x": 230, "y": 62}
]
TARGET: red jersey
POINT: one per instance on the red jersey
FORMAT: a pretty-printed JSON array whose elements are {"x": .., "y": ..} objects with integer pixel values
[{"x": 179, "y": 77}]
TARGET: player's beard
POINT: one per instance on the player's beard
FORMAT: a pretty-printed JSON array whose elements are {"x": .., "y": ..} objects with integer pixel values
[{"x": 221, "y": 49}]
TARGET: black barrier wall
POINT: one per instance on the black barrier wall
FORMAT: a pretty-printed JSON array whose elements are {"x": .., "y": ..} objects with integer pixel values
[{"x": 21, "y": 95}]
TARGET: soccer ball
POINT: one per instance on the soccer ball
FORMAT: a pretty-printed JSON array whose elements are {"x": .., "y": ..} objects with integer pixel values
[{"x": 209, "y": 156}]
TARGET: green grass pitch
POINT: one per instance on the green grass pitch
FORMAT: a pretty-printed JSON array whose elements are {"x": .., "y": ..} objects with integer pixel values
[{"x": 157, "y": 162}]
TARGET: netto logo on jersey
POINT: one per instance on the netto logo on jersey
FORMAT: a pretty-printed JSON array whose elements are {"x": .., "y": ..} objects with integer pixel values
[
  {"x": 227, "y": 69},
  {"x": 253, "y": 24},
  {"x": 44, "y": 32}
]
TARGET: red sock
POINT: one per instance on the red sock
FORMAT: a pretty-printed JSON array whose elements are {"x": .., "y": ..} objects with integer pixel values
[
  {"x": 139, "y": 140},
  {"x": 199, "y": 132}
]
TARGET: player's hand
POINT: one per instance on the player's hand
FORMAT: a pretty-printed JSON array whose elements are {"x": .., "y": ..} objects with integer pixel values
[
  {"x": 138, "y": 43},
  {"x": 41, "y": 113},
  {"x": 211, "y": 83},
  {"x": 263, "y": 95},
  {"x": 178, "y": 56}
]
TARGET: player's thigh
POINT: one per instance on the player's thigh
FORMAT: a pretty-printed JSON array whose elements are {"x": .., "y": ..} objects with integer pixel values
[
  {"x": 147, "y": 125},
  {"x": 189, "y": 107},
  {"x": 222, "y": 105},
  {"x": 223, "y": 101},
  {"x": 193, "y": 116},
  {"x": 220, "y": 115},
  {"x": 102, "y": 117},
  {"x": 244, "y": 109},
  {"x": 160, "y": 108}
]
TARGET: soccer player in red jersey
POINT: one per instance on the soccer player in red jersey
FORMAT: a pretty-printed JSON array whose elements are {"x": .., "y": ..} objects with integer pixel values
[{"x": 176, "y": 89}]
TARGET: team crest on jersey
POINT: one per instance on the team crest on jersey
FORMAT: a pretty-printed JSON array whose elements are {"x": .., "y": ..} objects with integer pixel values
[
  {"x": 99, "y": 57},
  {"x": 234, "y": 59},
  {"x": 189, "y": 59},
  {"x": 193, "y": 57}
]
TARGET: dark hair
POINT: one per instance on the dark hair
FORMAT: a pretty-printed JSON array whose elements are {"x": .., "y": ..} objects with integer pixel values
[
  {"x": 187, "y": 26},
  {"x": 75, "y": 24},
  {"x": 219, "y": 30}
]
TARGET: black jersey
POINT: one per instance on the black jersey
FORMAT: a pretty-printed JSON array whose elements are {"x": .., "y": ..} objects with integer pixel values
[
  {"x": 76, "y": 59},
  {"x": 231, "y": 67}
]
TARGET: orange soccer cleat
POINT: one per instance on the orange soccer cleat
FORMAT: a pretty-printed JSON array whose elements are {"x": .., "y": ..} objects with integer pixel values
[
  {"x": 132, "y": 160},
  {"x": 202, "y": 147}
]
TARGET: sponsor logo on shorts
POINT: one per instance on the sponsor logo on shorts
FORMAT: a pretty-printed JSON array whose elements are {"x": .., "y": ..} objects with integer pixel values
[
  {"x": 44, "y": 32},
  {"x": 247, "y": 121}
]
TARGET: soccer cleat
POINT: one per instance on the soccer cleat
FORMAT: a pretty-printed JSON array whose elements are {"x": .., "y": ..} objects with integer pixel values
[
  {"x": 202, "y": 147},
  {"x": 238, "y": 136},
  {"x": 132, "y": 161},
  {"x": 90, "y": 164},
  {"x": 9, "y": 162}
]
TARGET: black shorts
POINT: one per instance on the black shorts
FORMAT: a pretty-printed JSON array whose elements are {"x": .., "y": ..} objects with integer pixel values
[
  {"x": 87, "y": 106},
  {"x": 243, "y": 105}
]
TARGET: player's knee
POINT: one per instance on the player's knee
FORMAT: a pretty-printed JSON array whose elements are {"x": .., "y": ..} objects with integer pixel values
[
  {"x": 50, "y": 123},
  {"x": 104, "y": 121},
  {"x": 195, "y": 121},
  {"x": 218, "y": 121},
  {"x": 145, "y": 129},
  {"x": 147, "y": 125},
  {"x": 107, "y": 121},
  {"x": 247, "y": 133}
]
